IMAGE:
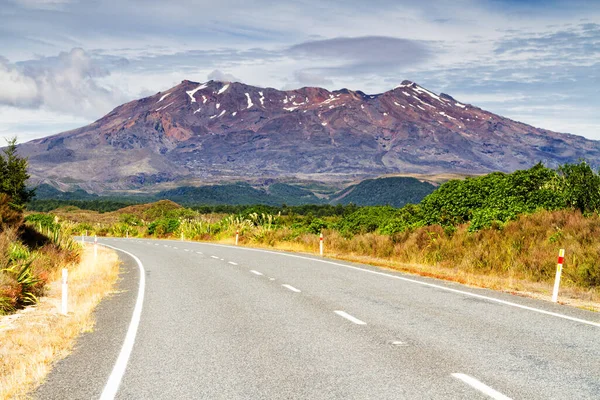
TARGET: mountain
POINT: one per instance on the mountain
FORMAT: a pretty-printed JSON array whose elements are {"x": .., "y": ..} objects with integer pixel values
[{"x": 227, "y": 132}]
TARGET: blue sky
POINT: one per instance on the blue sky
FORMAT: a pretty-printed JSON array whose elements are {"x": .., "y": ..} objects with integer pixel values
[{"x": 66, "y": 63}]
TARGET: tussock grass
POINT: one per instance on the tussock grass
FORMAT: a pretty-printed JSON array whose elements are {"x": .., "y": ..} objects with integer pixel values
[
  {"x": 36, "y": 337},
  {"x": 519, "y": 258}
]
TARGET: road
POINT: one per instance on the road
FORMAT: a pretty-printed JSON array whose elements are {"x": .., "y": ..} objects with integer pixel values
[{"x": 224, "y": 322}]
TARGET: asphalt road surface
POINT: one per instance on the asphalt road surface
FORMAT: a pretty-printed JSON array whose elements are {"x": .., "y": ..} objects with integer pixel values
[{"x": 203, "y": 321}]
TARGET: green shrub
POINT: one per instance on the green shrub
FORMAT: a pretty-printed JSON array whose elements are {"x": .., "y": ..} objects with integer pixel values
[
  {"x": 163, "y": 226},
  {"x": 42, "y": 221}
]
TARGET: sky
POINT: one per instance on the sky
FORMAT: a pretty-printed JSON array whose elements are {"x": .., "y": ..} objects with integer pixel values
[{"x": 66, "y": 63}]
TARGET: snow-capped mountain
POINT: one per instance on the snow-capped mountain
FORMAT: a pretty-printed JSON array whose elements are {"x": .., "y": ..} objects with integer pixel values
[{"x": 221, "y": 130}]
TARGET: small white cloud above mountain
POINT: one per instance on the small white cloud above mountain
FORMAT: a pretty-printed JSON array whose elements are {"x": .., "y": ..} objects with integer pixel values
[{"x": 218, "y": 75}]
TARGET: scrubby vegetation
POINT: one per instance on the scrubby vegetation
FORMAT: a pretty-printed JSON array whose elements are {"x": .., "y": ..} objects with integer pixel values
[
  {"x": 33, "y": 249},
  {"x": 234, "y": 197},
  {"x": 505, "y": 225}
]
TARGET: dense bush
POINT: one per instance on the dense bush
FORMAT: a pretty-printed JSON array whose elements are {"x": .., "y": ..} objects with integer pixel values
[
  {"x": 163, "y": 226},
  {"x": 13, "y": 176}
]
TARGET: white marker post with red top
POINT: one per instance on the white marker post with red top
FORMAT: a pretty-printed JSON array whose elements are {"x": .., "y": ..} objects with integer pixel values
[
  {"x": 559, "y": 265},
  {"x": 65, "y": 288},
  {"x": 95, "y": 247},
  {"x": 237, "y": 237},
  {"x": 321, "y": 244}
]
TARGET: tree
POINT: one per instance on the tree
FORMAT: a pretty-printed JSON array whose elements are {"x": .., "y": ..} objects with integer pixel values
[
  {"x": 580, "y": 186},
  {"x": 13, "y": 176}
]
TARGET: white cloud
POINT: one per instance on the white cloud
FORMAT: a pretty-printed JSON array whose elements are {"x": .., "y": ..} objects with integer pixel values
[
  {"x": 217, "y": 75},
  {"x": 306, "y": 78},
  {"x": 17, "y": 88},
  {"x": 65, "y": 83}
]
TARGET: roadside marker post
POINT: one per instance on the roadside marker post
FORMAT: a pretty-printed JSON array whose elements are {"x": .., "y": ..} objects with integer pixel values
[
  {"x": 321, "y": 244},
  {"x": 127, "y": 234},
  {"x": 95, "y": 247},
  {"x": 237, "y": 237},
  {"x": 65, "y": 288},
  {"x": 559, "y": 265},
  {"x": 182, "y": 237}
]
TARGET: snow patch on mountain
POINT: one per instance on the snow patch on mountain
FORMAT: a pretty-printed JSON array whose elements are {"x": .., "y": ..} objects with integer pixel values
[
  {"x": 192, "y": 92},
  {"x": 163, "y": 97},
  {"x": 223, "y": 89}
]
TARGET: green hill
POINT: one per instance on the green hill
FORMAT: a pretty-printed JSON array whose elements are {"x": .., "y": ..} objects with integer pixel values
[
  {"x": 395, "y": 191},
  {"x": 382, "y": 191}
]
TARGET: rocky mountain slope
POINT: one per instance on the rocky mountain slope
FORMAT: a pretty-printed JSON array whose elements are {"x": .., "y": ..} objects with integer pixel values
[{"x": 219, "y": 131}]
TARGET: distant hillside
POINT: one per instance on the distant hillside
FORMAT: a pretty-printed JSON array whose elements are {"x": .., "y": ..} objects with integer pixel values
[
  {"x": 45, "y": 191},
  {"x": 395, "y": 192},
  {"x": 240, "y": 193},
  {"x": 392, "y": 191}
]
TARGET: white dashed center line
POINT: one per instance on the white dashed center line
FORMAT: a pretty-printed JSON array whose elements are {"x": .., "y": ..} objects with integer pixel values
[
  {"x": 198, "y": 252},
  {"x": 215, "y": 257},
  {"x": 255, "y": 272},
  {"x": 483, "y": 388},
  {"x": 350, "y": 317},
  {"x": 293, "y": 289},
  {"x": 233, "y": 263}
]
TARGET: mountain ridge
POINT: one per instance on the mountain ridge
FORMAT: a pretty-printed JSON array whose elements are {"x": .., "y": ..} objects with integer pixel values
[{"x": 220, "y": 131}]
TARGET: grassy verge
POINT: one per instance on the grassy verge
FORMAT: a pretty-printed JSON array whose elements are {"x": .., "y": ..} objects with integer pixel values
[
  {"x": 516, "y": 256},
  {"x": 36, "y": 337},
  {"x": 520, "y": 258},
  {"x": 588, "y": 299}
]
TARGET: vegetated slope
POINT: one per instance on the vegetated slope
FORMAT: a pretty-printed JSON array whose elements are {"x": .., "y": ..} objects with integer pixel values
[
  {"x": 240, "y": 193},
  {"x": 218, "y": 131},
  {"x": 29, "y": 258},
  {"x": 293, "y": 195},
  {"x": 46, "y": 191},
  {"x": 395, "y": 191}
]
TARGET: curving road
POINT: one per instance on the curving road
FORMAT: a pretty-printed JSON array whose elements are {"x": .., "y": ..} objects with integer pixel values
[{"x": 223, "y": 322}]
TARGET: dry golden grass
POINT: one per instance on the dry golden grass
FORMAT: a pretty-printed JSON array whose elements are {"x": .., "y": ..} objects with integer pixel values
[
  {"x": 520, "y": 259},
  {"x": 34, "y": 338}
]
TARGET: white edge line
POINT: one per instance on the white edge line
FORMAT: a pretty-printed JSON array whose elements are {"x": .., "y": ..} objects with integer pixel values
[
  {"x": 114, "y": 380},
  {"x": 479, "y": 296},
  {"x": 255, "y": 272},
  {"x": 482, "y": 387},
  {"x": 290, "y": 287},
  {"x": 349, "y": 317}
]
